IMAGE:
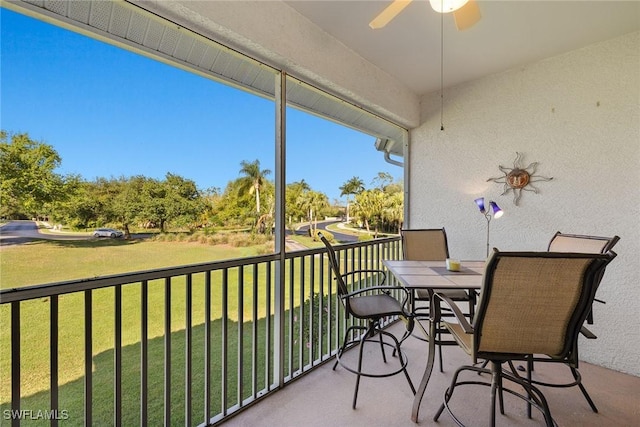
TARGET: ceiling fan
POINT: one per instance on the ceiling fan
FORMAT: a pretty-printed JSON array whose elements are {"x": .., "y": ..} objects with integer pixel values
[{"x": 465, "y": 12}]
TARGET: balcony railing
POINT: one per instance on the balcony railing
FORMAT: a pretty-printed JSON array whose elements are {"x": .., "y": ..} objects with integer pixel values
[{"x": 188, "y": 345}]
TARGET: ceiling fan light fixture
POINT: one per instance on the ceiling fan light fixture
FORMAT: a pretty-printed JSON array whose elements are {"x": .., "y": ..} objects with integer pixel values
[{"x": 446, "y": 6}]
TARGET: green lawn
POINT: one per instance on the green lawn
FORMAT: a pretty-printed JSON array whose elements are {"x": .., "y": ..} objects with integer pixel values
[{"x": 47, "y": 261}]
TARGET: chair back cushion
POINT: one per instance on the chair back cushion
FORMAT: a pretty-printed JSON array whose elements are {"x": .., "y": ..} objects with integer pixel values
[
  {"x": 425, "y": 245},
  {"x": 581, "y": 243},
  {"x": 534, "y": 303}
]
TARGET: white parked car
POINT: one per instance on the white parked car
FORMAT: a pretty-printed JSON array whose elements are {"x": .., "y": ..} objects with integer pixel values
[{"x": 107, "y": 232}]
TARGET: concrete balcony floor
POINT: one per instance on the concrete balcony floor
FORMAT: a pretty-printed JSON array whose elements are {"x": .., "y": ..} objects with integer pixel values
[{"x": 323, "y": 397}]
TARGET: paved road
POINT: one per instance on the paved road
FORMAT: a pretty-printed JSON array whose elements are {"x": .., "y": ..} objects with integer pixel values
[
  {"x": 18, "y": 232},
  {"x": 322, "y": 225}
]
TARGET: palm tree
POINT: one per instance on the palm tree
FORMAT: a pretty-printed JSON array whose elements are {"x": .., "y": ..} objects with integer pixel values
[
  {"x": 353, "y": 186},
  {"x": 370, "y": 206},
  {"x": 253, "y": 179},
  {"x": 394, "y": 210},
  {"x": 382, "y": 180},
  {"x": 293, "y": 207},
  {"x": 313, "y": 202}
]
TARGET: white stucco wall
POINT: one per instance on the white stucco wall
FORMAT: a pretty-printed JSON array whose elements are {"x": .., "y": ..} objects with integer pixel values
[{"x": 578, "y": 115}]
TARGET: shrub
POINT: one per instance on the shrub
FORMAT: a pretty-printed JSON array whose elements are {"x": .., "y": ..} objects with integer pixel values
[
  {"x": 364, "y": 237},
  {"x": 169, "y": 237},
  {"x": 327, "y": 234},
  {"x": 238, "y": 240},
  {"x": 267, "y": 248},
  {"x": 246, "y": 239}
]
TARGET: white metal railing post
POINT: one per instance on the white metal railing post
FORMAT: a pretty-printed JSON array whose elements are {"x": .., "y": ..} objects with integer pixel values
[
  {"x": 280, "y": 168},
  {"x": 406, "y": 150}
]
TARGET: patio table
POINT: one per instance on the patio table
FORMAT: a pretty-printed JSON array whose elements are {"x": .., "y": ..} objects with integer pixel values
[{"x": 432, "y": 276}]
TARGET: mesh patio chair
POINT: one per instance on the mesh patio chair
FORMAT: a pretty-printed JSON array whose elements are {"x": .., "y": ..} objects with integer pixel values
[
  {"x": 372, "y": 304},
  {"x": 570, "y": 243},
  {"x": 583, "y": 243},
  {"x": 431, "y": 245},
  {"x": 531, "y": 303}
]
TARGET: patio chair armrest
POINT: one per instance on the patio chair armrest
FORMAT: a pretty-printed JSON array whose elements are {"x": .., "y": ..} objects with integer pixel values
[
  {"x": 381, "y": 288},
  {"x": 460, "y": 317},
  {"x": 353, "y": 273},
  {"x": 387, "y": 290}
]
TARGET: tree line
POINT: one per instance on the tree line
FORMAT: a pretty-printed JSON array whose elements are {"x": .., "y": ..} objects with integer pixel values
[{"x": 30, "y": 188}]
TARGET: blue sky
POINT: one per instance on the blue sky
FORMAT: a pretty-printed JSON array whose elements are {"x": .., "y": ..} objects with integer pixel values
[{"x": 111, "y": 113}]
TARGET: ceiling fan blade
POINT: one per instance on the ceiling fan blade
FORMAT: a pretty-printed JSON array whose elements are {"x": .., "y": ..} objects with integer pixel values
[
  {"x": 389, "y": 13},
  {"x": 467, "y": 15}
]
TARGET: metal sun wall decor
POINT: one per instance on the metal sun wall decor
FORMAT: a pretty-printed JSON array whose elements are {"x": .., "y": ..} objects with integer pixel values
[{"x": 518, "y": 178}]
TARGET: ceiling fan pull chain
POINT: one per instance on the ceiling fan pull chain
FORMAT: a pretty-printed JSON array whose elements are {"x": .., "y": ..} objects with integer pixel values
[{"x": 442, "y": 72}]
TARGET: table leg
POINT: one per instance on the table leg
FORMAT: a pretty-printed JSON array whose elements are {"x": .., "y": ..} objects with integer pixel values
[{"x": 430, "y": 358}]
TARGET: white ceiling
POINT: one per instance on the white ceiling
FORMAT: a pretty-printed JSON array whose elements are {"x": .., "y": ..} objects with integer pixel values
[{"x": 510, "y": 34}]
